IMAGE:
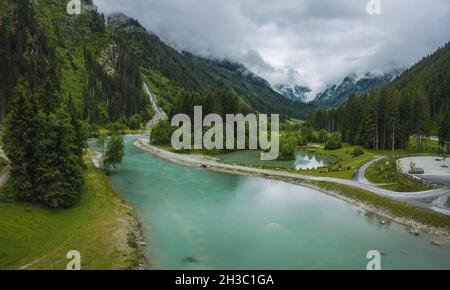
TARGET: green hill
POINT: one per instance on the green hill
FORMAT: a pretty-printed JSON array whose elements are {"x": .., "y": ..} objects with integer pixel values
[
  {"x": 187, "y": 71},
  {"x": 102, "y": 68}
]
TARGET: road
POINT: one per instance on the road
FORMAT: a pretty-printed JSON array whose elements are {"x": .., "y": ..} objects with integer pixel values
[
  {"x": 435, "y": 199},
  {"x": 159, "y": 113}
]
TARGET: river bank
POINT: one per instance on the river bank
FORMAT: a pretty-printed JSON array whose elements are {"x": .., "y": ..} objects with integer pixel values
[
  {"x": 414, "y": 219},
  {"x": 135, "y": 235},
  {"x": 102, "y": 226}
]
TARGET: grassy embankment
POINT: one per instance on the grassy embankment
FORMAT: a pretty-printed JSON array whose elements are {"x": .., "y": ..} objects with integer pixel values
[
  {"x": 395, "y": 208},
  {"x": 387, "y": 175},
  {"x": 345, "y": 167},
  {"x": 101, "y": 227},
  {"x": 106, "y": 132}
]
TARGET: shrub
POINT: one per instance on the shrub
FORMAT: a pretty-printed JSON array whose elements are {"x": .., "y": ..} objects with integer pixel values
[
  {"x": 288, "y": 147},
  {"x": 323, "y": 136},
  {"x": 162, "y": 133},
  {"x": 334, "y": 142},
  {"x": 357, "y": 152},
  {"x": 135, "y": 122}
]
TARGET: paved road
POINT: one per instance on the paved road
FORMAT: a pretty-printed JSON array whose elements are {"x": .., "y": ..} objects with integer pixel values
[
  {"x": 159, "y": 113},
  {"x": 431, "y": 199},
  {"x": 435, "y": 199},
  {"x": 437, "y": 179},
  {"x": 360, "y": 175}
]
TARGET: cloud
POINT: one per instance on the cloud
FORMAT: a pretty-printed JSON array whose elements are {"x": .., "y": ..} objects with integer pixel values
[{"x": 308, "y": 42}]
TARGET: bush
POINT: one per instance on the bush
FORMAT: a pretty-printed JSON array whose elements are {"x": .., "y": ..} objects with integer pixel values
[
  {"x": 323, "y": 136},
  {"x": 162, "y": 133},
  {"x": 334, "y": 142},
  {"x": 117, "y": 127},
  {"x": 357, "y": 152},
  {"x": 288, "y": 147},
  {"x": 302, "y": 141},
  {"x": 135, "y": 122}
]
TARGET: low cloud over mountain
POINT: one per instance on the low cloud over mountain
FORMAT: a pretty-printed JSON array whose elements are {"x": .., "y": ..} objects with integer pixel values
[{"x": 312, "y": 43}]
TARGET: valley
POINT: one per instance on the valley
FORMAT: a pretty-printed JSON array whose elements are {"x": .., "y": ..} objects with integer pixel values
[{"x": 89, "y": 107}]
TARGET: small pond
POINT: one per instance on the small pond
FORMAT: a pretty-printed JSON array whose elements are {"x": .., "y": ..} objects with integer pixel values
[{"x": 304, "y": 160}]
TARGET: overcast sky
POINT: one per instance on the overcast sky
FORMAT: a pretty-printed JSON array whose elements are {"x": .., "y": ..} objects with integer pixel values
[{"x": 307, "y": 42}]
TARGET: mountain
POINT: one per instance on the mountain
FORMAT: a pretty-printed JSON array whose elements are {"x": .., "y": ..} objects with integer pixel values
[
  {"x": 294, "y": 93},
  {"x": 103, "y": 62},
  {"x": 430, "y": 77},
  {"x": 168, "y": 70},
  {"x": 94, "y": 68},
  {"x": 337, "y": 95},
  {"x": 416, "y": 103}
]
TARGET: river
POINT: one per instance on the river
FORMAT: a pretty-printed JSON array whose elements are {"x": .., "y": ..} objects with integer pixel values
[{"x": 199, "y": 219}]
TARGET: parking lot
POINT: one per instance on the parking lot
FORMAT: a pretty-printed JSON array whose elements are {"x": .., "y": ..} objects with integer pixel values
[{"x": 434, "y": 172}]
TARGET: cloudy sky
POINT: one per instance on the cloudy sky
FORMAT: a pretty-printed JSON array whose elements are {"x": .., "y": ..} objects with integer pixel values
[{"x": 308, "y": 42}]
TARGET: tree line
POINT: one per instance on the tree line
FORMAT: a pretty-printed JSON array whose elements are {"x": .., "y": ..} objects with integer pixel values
[
  {"x": 43, "y": 137},
  {"x": 118, "y": 97},
  {"x": 219, "y": 102}
]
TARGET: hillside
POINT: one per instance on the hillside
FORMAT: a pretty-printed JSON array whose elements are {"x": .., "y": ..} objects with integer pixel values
[
  {"x": 184, "y": 70},
  {"x": 336, "y": 95},
  {"x": 100, "y": 77},
  {"x": 432, "y": 75},
  {"x": 294, "y": 93},
  {"x": 416, "y": 103}
]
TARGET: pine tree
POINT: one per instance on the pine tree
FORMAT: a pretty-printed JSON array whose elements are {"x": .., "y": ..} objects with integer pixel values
[
  {"x": 81, "y": 133},
  {"x": 444, "y": 130},
  {"x": 59, "y": 172},
  {"x": 19, "y": 140},
  {"x": 42, "y": 138},
  {"x": 421, "y": 117}
]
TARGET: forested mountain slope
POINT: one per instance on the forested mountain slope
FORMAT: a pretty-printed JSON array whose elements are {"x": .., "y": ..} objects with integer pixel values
[
  {"x": 184, "y": 70},
  {"x": 338, "y": 94},
  {"x": 102, "y": 65},
  {"x": 417, "y": 102},
  {"x": 98, "y": 73}
]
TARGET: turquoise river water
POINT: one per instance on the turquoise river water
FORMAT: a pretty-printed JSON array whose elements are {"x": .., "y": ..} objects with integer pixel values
[{"x": 198, "y": 219}]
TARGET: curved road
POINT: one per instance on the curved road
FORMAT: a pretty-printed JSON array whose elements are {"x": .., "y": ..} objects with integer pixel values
[{"x": 435, "y": 199}]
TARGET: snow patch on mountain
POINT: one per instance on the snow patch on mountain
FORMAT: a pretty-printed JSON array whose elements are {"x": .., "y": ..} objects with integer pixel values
[{"x": 295, "y": 93}]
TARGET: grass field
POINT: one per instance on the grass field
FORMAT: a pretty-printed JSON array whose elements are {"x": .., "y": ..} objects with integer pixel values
[
  {"x": 345, "y": 168},
  {"x": 387, "y": 175},
  {"x": 101, "y": 227},
  {"x": 106, "y": 132}
]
